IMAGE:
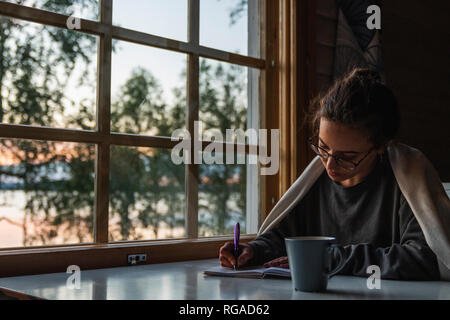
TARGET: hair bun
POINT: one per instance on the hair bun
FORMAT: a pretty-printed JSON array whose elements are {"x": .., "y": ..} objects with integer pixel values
[{"x": 360, "y": 100}]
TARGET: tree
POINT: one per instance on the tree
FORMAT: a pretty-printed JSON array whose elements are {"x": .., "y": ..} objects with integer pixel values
[
  {"x": 36, "y": 65},
  {"x": 222, "y": 106},
  {"x": 237, "y": 12},
  {"x": 146, "y": 188},
  {"x": 150, "y": 177}
]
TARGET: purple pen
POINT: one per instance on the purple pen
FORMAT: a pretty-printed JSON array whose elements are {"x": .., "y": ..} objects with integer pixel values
[{"x": 237, "y": 232}]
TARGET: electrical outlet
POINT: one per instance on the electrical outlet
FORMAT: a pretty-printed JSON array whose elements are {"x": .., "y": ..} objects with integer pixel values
[{"x": 136, "y": 258}]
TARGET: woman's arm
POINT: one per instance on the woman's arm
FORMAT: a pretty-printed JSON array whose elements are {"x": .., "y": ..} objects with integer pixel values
[
  {"x": 271, "y": 245},
  {"x": 411, "y": 259}
]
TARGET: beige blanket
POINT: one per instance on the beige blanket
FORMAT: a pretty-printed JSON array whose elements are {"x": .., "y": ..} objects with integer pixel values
[{"x": 417, "y": 180}]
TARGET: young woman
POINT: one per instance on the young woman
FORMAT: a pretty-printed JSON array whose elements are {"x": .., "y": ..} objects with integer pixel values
[{"x": 357, "y": 198}]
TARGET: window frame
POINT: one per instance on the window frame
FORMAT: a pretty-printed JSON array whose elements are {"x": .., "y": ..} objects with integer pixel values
[{"x": 102, "y": 253}]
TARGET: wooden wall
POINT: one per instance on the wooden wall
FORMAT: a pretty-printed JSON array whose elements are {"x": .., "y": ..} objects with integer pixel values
[
  {"x": 317, "y": 21},
  {"x": 326, "y": 26},
  {"x": 416, "y": 53},
  {"x": 316, "y": 28}
]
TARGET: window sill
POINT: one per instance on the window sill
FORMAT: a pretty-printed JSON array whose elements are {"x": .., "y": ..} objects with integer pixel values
[{"x": 50, "y": 259}]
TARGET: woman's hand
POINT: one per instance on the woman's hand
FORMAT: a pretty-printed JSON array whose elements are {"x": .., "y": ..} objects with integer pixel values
[
  {"x": 226, "y": 255},
  {"x": 281, "y": 262}
]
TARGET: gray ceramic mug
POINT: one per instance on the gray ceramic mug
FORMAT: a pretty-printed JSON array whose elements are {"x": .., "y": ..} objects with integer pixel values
[{"x": 309, "y": 259}]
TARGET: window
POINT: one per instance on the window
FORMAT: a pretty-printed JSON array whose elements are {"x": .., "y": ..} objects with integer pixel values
[
  {"x": 47, "y": 192},
  {"x": 88, "y": 109},
  {"x": 48, "y": 75},
  {"x": 87, "y": 9}
]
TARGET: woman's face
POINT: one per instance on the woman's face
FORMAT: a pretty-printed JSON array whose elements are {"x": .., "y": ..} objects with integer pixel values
[{"x": 350, "y": 144}]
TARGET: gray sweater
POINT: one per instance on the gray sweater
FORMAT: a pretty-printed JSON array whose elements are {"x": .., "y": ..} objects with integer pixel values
[{"x": 371, "y": 220}]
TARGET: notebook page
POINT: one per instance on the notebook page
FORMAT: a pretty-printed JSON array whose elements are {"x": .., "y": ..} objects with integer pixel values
[
  {"x": 258, "y": 272},
  {"x": 255, "y": 272},
  {"x": 275, "y": 271}
]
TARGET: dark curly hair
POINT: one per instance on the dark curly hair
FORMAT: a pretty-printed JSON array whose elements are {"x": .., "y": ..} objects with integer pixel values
[{"x": 359, "y": 100}]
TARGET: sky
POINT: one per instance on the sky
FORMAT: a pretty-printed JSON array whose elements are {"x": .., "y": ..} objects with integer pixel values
[{"x": 168, "y": 18}]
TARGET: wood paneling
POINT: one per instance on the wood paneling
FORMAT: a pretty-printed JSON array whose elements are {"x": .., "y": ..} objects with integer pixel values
[
  {"x": 270, "y": 117},
  {"x": 326, "y": 28},
  {"x": 416, "y": 46},
  {"x": 322, "y": 82},
  {"x": 326, "y": 31},
  {"x": 317, "y": 31},
  {"x": 306, "y": 75},
  {"x": 285, "y": 104},
  {"x": 431, "y": 15},
  {"x": 324, "y": 58}
]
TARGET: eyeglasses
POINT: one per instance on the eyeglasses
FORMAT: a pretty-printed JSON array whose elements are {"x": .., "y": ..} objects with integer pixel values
[{"x": 344, "y": 163}]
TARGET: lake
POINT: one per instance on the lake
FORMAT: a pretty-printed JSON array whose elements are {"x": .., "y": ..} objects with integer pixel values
[{"x": 12, "y": 203}]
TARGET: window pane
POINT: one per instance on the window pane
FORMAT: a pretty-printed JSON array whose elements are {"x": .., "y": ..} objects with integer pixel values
[
  {"x": 86, "y": 9},
  {"x": 46, "y": 192},
  {"x": 166, "y": 18},
  {"x": 48, "y": 76},
  {"x": 147, "y": 198},
  {"x": 222, "y": 195},
  {"x": 148, "y": 90},
  {"x": 225, "y": 25},
  {"x": 223, "y": 98}
]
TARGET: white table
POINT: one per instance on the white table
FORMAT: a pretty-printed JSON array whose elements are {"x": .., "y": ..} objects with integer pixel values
[{"x": 185, "y": 280}]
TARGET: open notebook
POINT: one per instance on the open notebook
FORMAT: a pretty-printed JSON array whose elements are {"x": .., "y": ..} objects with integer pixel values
[{"x": 259, "y": 272}]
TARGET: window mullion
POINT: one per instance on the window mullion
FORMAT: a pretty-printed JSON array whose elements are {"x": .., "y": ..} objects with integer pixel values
[
  {"x": 192, "y": 114},
  {"x": 103, "y": 125}
]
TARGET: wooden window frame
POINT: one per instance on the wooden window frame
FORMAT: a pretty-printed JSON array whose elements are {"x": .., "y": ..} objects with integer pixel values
[{"x": 276, "y": 74}]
